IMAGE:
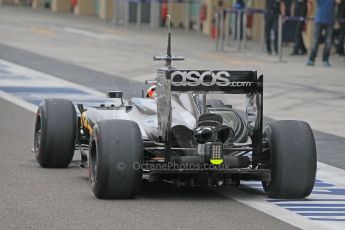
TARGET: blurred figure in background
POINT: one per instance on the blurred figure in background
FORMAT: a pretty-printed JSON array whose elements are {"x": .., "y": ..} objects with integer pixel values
[
  {"x": 324, "y": 20},
  {"x": 164, "y": 12},
  {"x": 341, "y": 16},
  {"x": 215, "y": 29},
  {"x": 239, "y": 5},
  {"x": 300, "y": 8},
  {"x": 202, "y": 15},
  {"x": 273, "y": 9}
]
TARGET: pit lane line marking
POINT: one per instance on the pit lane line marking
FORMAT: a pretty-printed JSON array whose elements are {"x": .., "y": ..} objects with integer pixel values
[
  {"x": 87, "y": 33},
  {"x": 323, "y": 209},
  {"x": 17, "y": 101},
  {"x": 26, "y": 88},
  {"x": 32, "y": 86}
]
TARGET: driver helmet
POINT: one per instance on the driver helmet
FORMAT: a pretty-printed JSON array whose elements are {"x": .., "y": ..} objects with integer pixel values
[{"x": 151, "y": 92}]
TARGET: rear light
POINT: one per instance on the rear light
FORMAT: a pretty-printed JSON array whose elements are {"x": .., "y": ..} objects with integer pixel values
[{"x": 216, "y": 153}]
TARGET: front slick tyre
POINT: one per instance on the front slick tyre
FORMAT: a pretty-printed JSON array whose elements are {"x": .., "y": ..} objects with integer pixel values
[
  {"x": 292, "y": 159},
  {"x": 116, "y": 154},
  {"x": 55, "y": 133}
]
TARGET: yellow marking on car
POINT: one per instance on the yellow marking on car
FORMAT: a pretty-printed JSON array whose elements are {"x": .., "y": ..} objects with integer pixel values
[
  {"x": 216, "y": 161},
  {"x": 85, "y": 123}
]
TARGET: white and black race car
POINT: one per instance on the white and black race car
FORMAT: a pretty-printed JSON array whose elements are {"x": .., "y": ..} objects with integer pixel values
[{"x": 179, "y": 135}]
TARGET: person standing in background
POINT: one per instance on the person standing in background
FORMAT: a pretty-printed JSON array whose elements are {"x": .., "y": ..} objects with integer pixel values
[
  {"x": 202, "y": 15},
  {"x": 324, "y": 20},
  {"x": 341, "y": 16},
  {"x": 164, "y": 13},
  {"x": 221, "y": 14},
  {"x": 300, "y": 8},
  {"x": 239, "y": 5},
  {"x": 273, "y": 9}
]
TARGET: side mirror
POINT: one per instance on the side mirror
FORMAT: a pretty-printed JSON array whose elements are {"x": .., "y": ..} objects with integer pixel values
[{"x": 115, "y": 94}]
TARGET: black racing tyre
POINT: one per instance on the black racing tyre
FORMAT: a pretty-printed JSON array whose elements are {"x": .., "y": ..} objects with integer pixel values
[
  {"x": 55, "y": 133},
  {"x": 292, "y": 159},
  {"x": 116, "y": 154}
]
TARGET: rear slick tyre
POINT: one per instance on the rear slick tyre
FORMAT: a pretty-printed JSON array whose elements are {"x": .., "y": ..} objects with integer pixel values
[
  {"x": 116, "y": 155},
  {"x": 292, "y": 159},
  {"x": 55, "y": 133}
]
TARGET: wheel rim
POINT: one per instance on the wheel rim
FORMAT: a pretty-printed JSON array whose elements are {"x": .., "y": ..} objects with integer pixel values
[
  {"x": 93, "y": 164},
  {"x": 266, "y": 162},
  {"x": 37, "y": 136}
]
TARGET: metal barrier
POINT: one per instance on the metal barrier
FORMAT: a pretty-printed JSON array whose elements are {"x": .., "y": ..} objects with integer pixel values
[
  {"x": 252, "y": 11},
  {"x": 340, "y": 20},
  {"x": 222, "y": 29},
  {"x": 280, "y": 38},
  {"x": 223, "y": 26}
]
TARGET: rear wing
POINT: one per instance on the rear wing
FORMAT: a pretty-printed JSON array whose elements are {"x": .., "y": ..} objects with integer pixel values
[{"x": 173, "y": 81}]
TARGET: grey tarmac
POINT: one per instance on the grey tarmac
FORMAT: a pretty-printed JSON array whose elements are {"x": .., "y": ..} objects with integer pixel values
[{"x": 36, "y": 198}]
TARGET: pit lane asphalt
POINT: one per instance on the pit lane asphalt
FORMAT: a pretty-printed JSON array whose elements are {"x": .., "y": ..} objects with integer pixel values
[
  {"x": 32, "y": 197},
  {"x": 330, "y": 147},
  {"x": 37, "y": 198}
]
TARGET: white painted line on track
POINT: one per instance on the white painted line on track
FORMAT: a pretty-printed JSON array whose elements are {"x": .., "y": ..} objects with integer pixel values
[
  {"x": 37, "y": 78},
  {"x": 96, "y": 35},
  {"x": 323, "y": 209},
  {"x": 32, "y": 87},
  {"x": 259, "y": 202},
  {"x": 15, "y": 100}
]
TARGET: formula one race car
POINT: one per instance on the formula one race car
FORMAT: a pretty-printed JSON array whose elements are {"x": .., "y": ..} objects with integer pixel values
[{"x": 178, "y": 134}]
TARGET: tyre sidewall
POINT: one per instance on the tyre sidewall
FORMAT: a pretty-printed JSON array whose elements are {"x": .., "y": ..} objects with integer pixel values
[
  {"x": 293, "y": 159},
  {"x": 117, "y": 142},
  {"x": 58, "y": 133}
]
